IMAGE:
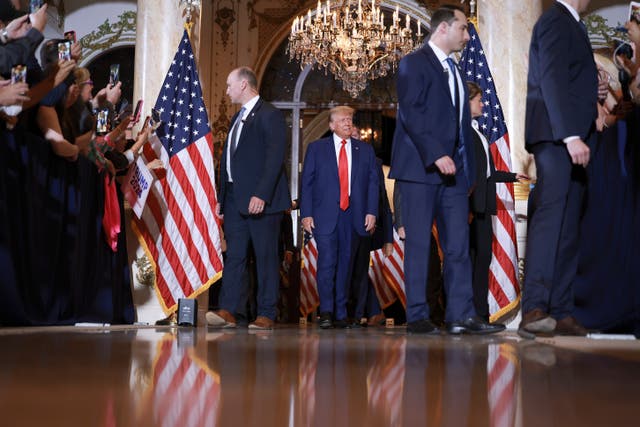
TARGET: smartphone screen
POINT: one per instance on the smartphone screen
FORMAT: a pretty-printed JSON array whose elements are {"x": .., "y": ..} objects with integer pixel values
[
  {"x": 19, "y": 73},
  {"x": 102, "y": 121},
  {"x": 64, "y": 51},
  {"x": 137, "y": 111},
  {"x": 34, "y": 5},
  {"x": 634, "y": 11},
  {"x": 71, "y": 36},
  {"x": 114, "y": 74}
]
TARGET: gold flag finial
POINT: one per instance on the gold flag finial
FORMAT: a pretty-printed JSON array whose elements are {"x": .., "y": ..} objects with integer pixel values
[{"x": 190, "y": 10}]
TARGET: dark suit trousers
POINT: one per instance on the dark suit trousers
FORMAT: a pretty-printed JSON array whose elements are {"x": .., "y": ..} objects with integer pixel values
[
  {"x": 450, "y": 206},
  {"x": 359, "y": 286},
  {"x": 262, "y": 231},
  {"x": 552, "y": 235},
  {"x": 481, "y": 238},
  {"x": 334, "y": 257}
]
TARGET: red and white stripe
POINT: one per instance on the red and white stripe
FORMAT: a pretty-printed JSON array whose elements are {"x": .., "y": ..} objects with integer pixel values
[
  {"x": 502, "y": 367},
  {"x": 393, "y": 269},
  {"x": 177, "y": 225},
  {"x": 307, "y": 368},
  {"x": 504, "y": 288},
  {"x": 386, "y": 295},
  {"x": 184, "y": 392},
  {"x": 385, "y": 381},
  {"x": 309, "y": 298}
]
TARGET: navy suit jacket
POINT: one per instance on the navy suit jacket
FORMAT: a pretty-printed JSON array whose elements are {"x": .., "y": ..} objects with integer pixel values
[
  {"x": 426, "y": 122},
  {"x": 562, "y": 83},
  {"x": 258, "y": 162},
  {"x": 320, "y": 192}
]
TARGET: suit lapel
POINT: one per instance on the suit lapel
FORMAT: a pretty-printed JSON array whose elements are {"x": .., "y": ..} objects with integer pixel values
[
  {"x": 332, "y": 160},
  {"x": 442, "y": 75},
  {"x": 246, "y": 126}
]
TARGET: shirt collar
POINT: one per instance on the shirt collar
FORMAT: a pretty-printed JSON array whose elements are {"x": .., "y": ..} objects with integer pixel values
[
  {"x": 337, "y": 140},
  {"x": 571, "y": 9},
  {"x": 249, "y": 105},
  {"x": 442, "y": 57}
]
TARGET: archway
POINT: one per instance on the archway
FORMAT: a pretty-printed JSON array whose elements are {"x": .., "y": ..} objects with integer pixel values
[{"x": 305, "y": 95}]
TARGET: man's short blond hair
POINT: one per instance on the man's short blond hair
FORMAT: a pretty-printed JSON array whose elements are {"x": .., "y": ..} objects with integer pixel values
[{"x": 341, "y": 109}]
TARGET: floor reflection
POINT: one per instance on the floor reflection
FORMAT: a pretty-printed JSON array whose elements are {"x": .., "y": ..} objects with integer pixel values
[{"x": 308, "y": 377}]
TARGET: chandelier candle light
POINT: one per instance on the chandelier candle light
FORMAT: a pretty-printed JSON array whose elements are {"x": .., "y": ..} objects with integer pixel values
[{"x": 353, "y": 43}]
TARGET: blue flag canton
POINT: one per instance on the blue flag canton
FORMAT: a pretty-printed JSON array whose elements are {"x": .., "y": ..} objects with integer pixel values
[
  {"x": 473, "y": 64},
  {"x": 180, "y": 104}
]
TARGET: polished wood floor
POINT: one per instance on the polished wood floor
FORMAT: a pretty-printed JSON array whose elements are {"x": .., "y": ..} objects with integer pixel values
[{"x": 303, "y": 376}]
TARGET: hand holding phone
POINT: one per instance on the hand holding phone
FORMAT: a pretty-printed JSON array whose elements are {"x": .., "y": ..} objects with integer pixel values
[
  {"x": 102, "y": 121},
  {"x": 137, "y": 111}
]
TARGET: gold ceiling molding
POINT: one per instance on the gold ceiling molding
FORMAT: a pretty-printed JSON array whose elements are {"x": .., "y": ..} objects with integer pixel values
[{"x": 123, "y": 31}]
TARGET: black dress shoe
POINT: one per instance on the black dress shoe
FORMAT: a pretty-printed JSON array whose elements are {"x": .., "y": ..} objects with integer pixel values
[
  {"x": 475, "y": 326},
  {"x": 422, "y": 327},
  {"x": 325, "y": 321}
]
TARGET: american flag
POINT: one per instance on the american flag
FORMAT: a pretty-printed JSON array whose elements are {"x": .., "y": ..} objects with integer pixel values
[
  {"x": 504, "y": 289},
  {"x": 393, "y": 269},
  {"x": 184, "y": 391},
  {"x": 386, "y": 295},
  {"x": 178, "y": 226},
  {"x": 309, "y": 298}
]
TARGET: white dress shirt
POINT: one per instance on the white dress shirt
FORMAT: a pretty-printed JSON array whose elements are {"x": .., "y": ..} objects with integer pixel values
[
  {"x": 247, "y": 109},
  {"x": 485, "y": 145},
  {"x": 442, "y": 57}
]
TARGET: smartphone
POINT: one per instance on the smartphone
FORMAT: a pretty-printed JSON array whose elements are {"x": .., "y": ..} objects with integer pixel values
[
  {"x": 19, "y": 74},
  {"x": 634, "y": 12},
  {"x": 34, "y": 5},
  {"x": 102, "y": 121},
  {"x": 71, "y": 36},
  {"x": 114, "y": 74},
  {"x": 64, "y": 51},
  {"x": 137, "y": 111},
  {"x": 155, "y": 120}
]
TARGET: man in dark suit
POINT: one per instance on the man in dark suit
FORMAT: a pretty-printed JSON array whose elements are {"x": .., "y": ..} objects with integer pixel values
[
  {"x": 432, "y": 159},
  {"x": 483, "y": 205},
  {"x": 339, "y": 199},
  {"x": 253, "y": 196},
  {"x": 560, "y": 120}
]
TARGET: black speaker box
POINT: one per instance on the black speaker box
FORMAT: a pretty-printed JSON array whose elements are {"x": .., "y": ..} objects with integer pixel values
[{"x": 187, "y": 312}]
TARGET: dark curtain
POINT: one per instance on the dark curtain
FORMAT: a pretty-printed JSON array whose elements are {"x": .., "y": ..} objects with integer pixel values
[
  {"x": 607, "y": 289},
  {"x": 55, "y": 266}
]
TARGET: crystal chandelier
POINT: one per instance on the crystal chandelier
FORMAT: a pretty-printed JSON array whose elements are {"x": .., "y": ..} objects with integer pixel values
[{"x": 352, "y": 42}]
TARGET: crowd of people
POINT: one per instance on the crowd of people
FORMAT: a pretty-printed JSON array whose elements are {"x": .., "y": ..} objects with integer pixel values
[{"x": 62, "y": 238}]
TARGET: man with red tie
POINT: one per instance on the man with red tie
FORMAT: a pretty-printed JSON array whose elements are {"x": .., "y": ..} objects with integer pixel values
[{"x": 339, "y": 199}]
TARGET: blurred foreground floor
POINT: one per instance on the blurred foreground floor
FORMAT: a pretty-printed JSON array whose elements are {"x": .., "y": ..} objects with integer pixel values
[{"x": 303, "y": 376}]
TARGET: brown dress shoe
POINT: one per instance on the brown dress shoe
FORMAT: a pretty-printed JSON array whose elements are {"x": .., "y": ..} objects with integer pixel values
[
  {"x": 261, "y": 322},
  {"x": 220, "y": 319},
  {"x": 377, "y": 320},
  {"x": 570, "y": 326},
  {"x": 537, "y": 321}
]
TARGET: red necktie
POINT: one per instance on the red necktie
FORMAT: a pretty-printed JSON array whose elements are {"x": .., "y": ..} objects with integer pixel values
[{"x": 343, "y": 173}]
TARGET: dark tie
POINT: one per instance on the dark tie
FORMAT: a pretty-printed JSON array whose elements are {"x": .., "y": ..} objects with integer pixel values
[
  {"x": 456, "y": 89},
  {"x": 343, "y": 174},
  {"x": 234, "y": 131}
]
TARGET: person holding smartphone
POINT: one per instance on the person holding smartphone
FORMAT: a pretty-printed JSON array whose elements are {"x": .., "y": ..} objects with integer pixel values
[{"x": 20, "y": 38}]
